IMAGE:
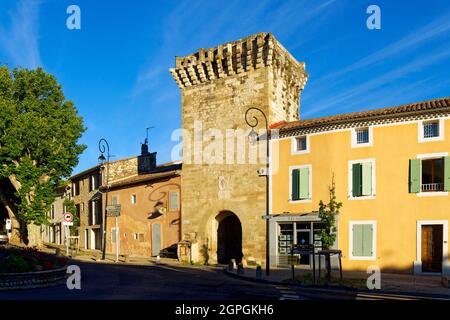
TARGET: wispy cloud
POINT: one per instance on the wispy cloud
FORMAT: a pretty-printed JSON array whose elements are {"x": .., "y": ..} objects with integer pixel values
[
  {"x": 414, "y": 40},
  {"x": 19, "y": 38},
  {"x": 191, "y": 25},
  {"x": 347, "y": 98}
]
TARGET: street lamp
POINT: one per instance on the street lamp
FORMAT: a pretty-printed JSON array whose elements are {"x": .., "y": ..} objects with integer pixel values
[
  {"x": 103, "y": 147},
  {"x": 253, "y": 139}
]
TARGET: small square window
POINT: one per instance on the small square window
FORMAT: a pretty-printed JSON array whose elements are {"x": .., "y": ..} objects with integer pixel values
[
  {"x": 362, "y": 135},
  {"x": 431, "y": 129},
  {"x": 133, "y": 199},
  {"x": 301, "y": 143}
]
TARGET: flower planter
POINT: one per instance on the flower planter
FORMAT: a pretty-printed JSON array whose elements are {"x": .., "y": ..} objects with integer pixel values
[{"x": 30, "y": 280}]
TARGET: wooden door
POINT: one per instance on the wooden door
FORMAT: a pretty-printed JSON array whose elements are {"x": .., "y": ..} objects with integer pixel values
[{"x": 432, "y": 243}]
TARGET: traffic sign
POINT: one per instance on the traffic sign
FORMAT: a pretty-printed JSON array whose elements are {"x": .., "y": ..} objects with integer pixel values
[
  {"x": 65, "y": 223},
  {"x": 113, "y": 210},
  {"x": 68, "y": 217}
]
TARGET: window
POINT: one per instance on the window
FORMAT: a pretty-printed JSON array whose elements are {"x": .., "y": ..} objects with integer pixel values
[
  {"x": 300, "y": 183},
  {"x": 133, "y": 199},
  {"x": 95, "y": 212},
  {"x": 94, "y": 181},
  {"x": 76, "y": 188},
  {"x": 362, "y": 137},
  {"x": 113, "y": 235},
  {"x": 431, "y": 130},
  {"x": 362, "y": 240},
  {"x": 362, "y": 179},
  {"x": 300, "y": 144},
  {"x": 52, "y": 213},
  {"x": 114, "y": 200},
  {"x": 429, "y": 174},
  {"x": 173, "y": 200},
  {"x": 138, "y": 236}
]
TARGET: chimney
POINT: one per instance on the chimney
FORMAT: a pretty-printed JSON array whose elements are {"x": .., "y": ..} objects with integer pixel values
[{"x": 147, "y": 160}]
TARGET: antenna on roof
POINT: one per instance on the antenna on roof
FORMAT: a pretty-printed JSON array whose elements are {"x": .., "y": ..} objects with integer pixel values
[{"x": 144, "y": 147}]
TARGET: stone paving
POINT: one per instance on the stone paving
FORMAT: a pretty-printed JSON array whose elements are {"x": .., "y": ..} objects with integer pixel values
[
  {"x": 390, "y": 282},
  {"x": 400, "y": 283}
]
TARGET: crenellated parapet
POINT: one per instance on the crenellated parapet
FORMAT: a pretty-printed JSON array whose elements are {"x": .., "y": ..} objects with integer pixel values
[{"x": 251, "y": 53}]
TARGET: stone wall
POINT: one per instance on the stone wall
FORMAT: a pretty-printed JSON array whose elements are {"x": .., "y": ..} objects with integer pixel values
[{"x": 217, "y": 86}]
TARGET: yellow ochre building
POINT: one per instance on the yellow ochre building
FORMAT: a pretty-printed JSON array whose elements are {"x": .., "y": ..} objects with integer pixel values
[{"x": 391, "y": 169}]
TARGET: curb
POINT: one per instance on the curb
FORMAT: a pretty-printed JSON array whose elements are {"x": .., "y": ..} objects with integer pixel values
[{"x": 342, "y": 290}]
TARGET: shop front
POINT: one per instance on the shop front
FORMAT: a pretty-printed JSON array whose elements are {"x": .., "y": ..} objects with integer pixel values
[{"x": 287, "y": 229}]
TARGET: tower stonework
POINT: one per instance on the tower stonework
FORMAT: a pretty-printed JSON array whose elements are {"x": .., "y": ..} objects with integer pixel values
[{"x": 217, "y": 86}]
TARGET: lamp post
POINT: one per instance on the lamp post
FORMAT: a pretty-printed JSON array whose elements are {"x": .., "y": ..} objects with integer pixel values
[
  {"x": 103, "y": 147},
  {"x": 254, "y": 138}
]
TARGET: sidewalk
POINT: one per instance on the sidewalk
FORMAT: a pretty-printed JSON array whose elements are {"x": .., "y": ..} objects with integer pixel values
[{"x": 390, "y": 282}]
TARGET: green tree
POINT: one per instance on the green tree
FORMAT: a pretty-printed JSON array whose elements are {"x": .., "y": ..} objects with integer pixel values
[
  {"x": 39, "y": 132},
  {"x": 70, "y": 206},
  {"x": 327, "y": 214}
]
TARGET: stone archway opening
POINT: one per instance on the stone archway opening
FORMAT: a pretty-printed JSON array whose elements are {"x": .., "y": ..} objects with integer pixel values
[{"x": 229, "y": 238}]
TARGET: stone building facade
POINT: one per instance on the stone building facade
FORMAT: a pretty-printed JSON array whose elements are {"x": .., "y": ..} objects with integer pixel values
[
  {"x": 55, "y": 232},
  {"x": 87, "y": 191},
  {"x": 224, "y": 199},
  {"x": 150, "y": 212}
]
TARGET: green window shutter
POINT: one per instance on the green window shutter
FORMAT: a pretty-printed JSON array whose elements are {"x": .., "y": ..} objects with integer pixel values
[
  {"x": 356, "y": 187},
  {"x": 414, "y": 175},
  {"x": 367, "y": 234},
  {"x": 357, "y": 244},
  {"x": 304, "y": 183},
  {"x": 446, "y": 173},
  {"x": 367, "y": 179},
  {"x": 295, "y": 184}
]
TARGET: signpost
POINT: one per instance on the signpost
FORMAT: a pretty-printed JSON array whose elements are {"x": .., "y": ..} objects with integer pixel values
[
  {"x": 67, "y": 221},
  {"x": 113, "y": 210}
]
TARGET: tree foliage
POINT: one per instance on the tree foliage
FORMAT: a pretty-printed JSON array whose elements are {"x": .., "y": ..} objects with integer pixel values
[
  {"x": 327, "y": 214},
  {"x": 70, "y": 206},
  {"x": 39, "y": 131}
]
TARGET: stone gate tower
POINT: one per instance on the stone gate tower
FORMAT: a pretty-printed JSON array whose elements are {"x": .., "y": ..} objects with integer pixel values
[{"x": 223, "y": 202}]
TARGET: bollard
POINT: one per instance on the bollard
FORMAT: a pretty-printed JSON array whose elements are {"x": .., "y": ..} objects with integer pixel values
[
  {"x": 230, "y": 266},
  {"x": 240, "y": 269},
  {"x": 158, "y": 259},
  {"x": 258, "y": 272},
  {"x": 233, "y": 261}
]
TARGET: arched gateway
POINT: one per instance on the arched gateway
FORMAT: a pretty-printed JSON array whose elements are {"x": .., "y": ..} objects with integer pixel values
[{"x": 229, "y": 238}]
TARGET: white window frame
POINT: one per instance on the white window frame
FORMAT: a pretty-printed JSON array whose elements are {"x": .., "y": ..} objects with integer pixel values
[
  {"x": 354, "y": 141},
  {"x": 422, "y": 139},
  {"x": 294, "y": 144},
  {"x": 133, "y": 199},
  {"x": 374, "y": 239},
  {"x": 426, "y": 156},
  {"x": 291, "y": 168},
  {"x": 350, "y": 179}
]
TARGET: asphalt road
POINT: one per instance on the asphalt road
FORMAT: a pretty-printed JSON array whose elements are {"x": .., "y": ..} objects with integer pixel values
[{"x": 164, "y": 282}]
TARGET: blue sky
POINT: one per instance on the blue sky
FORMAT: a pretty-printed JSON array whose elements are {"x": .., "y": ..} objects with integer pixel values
[{"x": 115, "y": 68}]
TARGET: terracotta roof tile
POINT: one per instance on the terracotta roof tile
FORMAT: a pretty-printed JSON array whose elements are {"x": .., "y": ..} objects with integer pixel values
[{"x": 417, "y": 107}]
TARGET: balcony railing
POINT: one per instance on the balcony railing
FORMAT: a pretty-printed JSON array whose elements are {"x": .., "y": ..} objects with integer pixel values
[{"x": 429, "y": 187}]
